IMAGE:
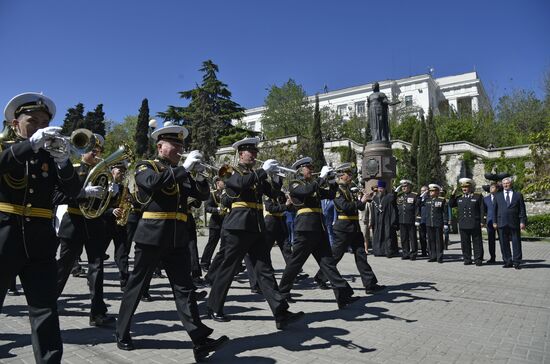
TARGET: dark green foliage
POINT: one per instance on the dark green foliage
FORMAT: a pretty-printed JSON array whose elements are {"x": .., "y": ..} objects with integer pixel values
[
  {"x": 74, "y": 119},
  {"x": 414, "y": 153},
  {"x": 423, "y": 169},
  {"x": 538, "y": 225},
  {"x": 514, "y": 166},
  {"x": 143, "y": 145},
  {"x": 95, "y": 120},
  {"x": 316, "y": 142},
  {"x": 436, "y": 173},
  {"x": 209, "y": 111},
  {"x": 121, "y": 133},
  {"x": 404, "y": 130}
]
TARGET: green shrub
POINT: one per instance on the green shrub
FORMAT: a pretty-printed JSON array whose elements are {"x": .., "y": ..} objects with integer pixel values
[{"x": 539, "y": 225}]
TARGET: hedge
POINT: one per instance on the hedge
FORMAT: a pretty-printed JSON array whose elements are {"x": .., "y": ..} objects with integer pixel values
[{"x": 539, "y": 225}]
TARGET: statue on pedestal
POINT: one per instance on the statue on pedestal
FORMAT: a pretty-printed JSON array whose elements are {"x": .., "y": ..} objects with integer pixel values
[{"x": 377, "y": 104}]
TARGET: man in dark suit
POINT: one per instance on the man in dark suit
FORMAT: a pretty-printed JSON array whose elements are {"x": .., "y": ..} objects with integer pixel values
[
  {"x": 509, "y": 218},
  {"x": 489, "y": 219}
]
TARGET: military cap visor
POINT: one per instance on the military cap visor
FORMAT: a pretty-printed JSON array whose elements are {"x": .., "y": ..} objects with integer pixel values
[
  {"x": 306, "y": 161},
  {"x": 466, "y": 182},
  {"x": 171, "y": 133},
  {"x": 28, "y": 102},
  {"x": 434, "y": 187},
  {"x": 250, "y": 144}
]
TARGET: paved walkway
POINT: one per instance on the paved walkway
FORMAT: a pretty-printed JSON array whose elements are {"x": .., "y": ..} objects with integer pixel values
[{"x": 429, "y": 313}]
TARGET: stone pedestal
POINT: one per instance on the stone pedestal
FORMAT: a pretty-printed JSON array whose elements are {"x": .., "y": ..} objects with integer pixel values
[{"x": 378, "y": 163}]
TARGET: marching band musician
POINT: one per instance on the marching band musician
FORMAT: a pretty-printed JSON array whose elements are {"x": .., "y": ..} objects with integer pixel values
[
  {"x": 30, "y": 174},
  {"x": 408, "y": 206},
  {"x": 436, "y": 220},
  {"x": 217, "y": 214},
  {"x": 244, "y": 233},
  {"x": 77, "y": 232},
  {"x": 114, "y": 231},
  {"x": 311, "y": 233},
  {"x": 347, "y": 231},
  {"x": 470, "y": 215},
  {"x": 162, "y": 235}
]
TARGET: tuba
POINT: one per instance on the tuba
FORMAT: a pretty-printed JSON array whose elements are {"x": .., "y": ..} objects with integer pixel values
[{"x": 101, "y": 175}]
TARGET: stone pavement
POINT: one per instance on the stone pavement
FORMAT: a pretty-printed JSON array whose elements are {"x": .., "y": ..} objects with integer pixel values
[{"x": 429, "y": 313}]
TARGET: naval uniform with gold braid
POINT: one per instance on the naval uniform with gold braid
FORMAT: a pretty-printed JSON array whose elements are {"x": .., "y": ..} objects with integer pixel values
[
  {"x": 348, "y": 234},
  {"x": 162, "y": 235},
  {"x": 27, "y": 239},
  {"x": 470, "y": 215},
  {"x": 310, "y": 237},
  {"x": 244, "y": 232},
  {"x": 408, "y": 207},
  {"x": 77, "y": 232}
]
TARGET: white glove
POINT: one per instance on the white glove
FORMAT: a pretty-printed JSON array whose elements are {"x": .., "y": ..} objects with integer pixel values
[
  {"x": 192, "y": 159},
  {"x": 398, "y": 188},
  {"x": 62, "y": 152},
  {"x": 94, "y": 191},
  {"x": 325, "y": 171},
  {"x": 39, "y": 138},
  {"x": 270, "y": 165}
]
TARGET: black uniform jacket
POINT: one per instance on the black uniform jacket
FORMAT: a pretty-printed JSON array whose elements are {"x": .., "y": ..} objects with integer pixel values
[
  {"x": 436, "y": 212},
  {"x": 28, "y": 182},
  {"x": 215, "y": 208},
  {"x": 470, "y": 210},
  {"x": 73, "y": 224},
  {"x": 164, "y": 190},
  {"x": 275, "y": 207},
  {"x": 408, "y": 206},
  {"x": 245, "y": 188},
  {"x": 307, "y": 196},
  {"x": 347, "y": 208}
]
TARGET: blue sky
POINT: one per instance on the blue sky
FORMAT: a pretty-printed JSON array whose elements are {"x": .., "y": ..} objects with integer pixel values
[{"x": 117, "y": 52}]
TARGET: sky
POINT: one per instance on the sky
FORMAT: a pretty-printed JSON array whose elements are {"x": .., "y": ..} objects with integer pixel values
[{"x": 117, "y": 52}]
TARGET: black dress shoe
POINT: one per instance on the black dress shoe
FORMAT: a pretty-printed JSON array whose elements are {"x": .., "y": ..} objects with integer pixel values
[
  {"x": 322, "y": 285},
  {"x": 102, "y": 320},
  {"x": 124, "y": 343},
  {"x": 256, "y": 290},
  {"x": 79, "y": 273},
  {"x": 301, "y": 277},
  {"x": 147, "y": 297},
  {"x": 431, "y": 260},
  {"x": 440, "y": 261},
  {"x": 13, "y": 292},
  {"x": 468, "y": 262},
  {"x": 374, "y": 289},
  {"x": 218, "y": 317},
  {"x": 405, "y": 257},
  {"x": 479, "y": 263},
  {"x": 517, "y": 266},
  {"x": 491, "y": 261},
  {"x": 347, "y": 301},
  {"x": 202, "y": 350},
  {"x": 106, "y": 256},
  {"x": 201, "y": 295},
  {"x": 507, "y": 265},
  {"x": 287, "y": 318},
  {"x": 413, "y": 257}
]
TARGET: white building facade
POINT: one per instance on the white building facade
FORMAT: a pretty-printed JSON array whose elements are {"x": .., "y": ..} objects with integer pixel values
[{"x": 463, "y": 93}]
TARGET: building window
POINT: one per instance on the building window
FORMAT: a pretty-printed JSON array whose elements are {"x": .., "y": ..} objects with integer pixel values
[
  {"x": 250, "y": 125},
  {"x": 408, "y": 101},
  {"x": 360, "y": 108},
  {"x": 341, "y": 109}
]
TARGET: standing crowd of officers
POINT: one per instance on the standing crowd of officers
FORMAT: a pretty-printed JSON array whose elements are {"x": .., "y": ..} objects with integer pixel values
[{"x": 248, "y": 210}]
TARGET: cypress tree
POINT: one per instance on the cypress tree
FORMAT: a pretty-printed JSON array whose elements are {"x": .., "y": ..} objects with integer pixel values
[
  {"x": 414, "y": 154},
  {"x": 435, "y": 168},
  {"x": 316, "y": 151},
  {"x": 423, "y": 169},
  {"x": 142, "y": 130}
]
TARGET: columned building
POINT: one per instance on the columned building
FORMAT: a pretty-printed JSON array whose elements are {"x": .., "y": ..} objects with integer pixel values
[{"x": 463, "y": 93}]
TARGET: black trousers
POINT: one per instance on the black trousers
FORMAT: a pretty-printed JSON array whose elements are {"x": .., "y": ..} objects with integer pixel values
[
  {"x": 507, "y": 234},
  {"x": 469, "y": 237},
  {"x": 314, "y": 243},
  {"x": 491, "y": 239},
  {"x": 70, "y": 250},
  {"x": 344, "y": 240},
  {"x": 119, "y": 235},
  {"x": 216, "y": 262},
  {"x": 176, "y": 261},
  {"x": 409, "y": 243},
  {"x": 213, "y": 238},
  {"x": 238, "y": 243},
  {"x": 422, "y": 234},
  {"x": 38, "y": 277},
  {"x": 435, "y": 241},
  {"x": 272, "y": 237}
]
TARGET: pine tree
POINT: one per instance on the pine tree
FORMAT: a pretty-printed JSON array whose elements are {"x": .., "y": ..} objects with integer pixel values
[
  {"x": 142, "y": 130},
  {"x": 316, "y": 149},
  {"x": 73, "y": 118},
  {"x": 435, "y": 168},
  {"x": 423, "y": 169},
  {"x": 95, "y": 120}
]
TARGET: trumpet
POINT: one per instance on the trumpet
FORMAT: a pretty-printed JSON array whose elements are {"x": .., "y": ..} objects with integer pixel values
[
  {"x": 80, "y": 141},
  {"x": 282, "y": 171},
  {"x": 334, "y": 171}
]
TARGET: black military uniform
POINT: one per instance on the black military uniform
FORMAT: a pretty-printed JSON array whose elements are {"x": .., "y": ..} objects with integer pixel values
[
  {"x": 470, "y": 215},
  {"x": 436, "y": 218},
  {"x": 244, "y": 233},
  {"x": 310, "y": 237},
  {"x": 217, "y": 214},
  {"x": 348, "y": 234},
  {"x": 119, "y": 234},
  {"x": 407, "y": 209},
  {"x": 196, "y": 271},
  {"x": 27, "y": 238},
  {"x": 76, "y": 232},
  {"x": 162, "y": 235},
  {"x": 422, "y": 233}
]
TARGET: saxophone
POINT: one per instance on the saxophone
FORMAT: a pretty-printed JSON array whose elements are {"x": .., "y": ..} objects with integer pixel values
[{"x": 125, "y": 205}]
